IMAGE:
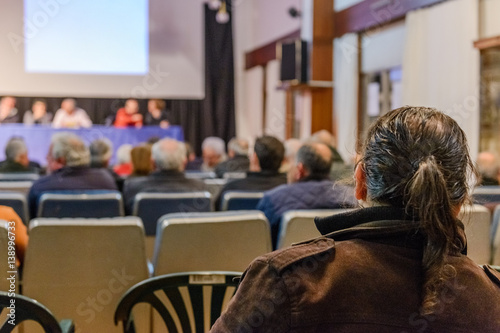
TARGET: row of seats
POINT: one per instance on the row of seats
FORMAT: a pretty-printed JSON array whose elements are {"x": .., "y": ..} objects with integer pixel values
[
  {"x": 207, "y": 295},
  {"x": 80, "y": 268},
  {"x": 148, "y": 206}
]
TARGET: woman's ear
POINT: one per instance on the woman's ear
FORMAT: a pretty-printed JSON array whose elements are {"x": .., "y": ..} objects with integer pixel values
[{"x": 360, "y": 178}]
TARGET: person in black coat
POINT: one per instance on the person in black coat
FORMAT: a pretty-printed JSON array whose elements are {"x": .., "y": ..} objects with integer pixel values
[{"x": 169, "y": 159}]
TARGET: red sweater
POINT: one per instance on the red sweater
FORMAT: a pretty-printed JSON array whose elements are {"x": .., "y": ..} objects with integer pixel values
[{"x": 123, "y": 119}]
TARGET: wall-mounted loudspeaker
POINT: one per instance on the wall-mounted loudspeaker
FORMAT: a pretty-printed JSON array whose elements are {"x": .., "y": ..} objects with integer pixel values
[{"x": 294, "y": 61}]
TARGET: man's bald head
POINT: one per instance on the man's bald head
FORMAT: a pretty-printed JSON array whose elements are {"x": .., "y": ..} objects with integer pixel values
[{"x": 316, "y": 159}]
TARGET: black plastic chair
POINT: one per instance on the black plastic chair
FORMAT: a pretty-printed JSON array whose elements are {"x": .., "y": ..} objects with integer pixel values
[
  {"x": 223, "y": 284},
  {"x": 240, "y": 200},
  {"x": 29, "y": 309},
  {"x": 151, "y": 206},
  {"x": 486, "y": 194},
  {"x": 18, "y": 202},
  {"x": 89, "y": 204},
  {"x": 19, "y": 176}
]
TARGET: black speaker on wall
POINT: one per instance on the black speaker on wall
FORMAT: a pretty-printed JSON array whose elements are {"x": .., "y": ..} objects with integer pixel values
[{"x": 294, "y": 61}]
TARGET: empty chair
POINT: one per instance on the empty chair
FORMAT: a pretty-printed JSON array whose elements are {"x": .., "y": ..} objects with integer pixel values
[
  {"x": 240, "y": 200},
  {"x": 477, "y": 222},
  {"x": 151, "y": 206},
  {"x": 19, "y": 176},
  {"x": 22, "y": 187},
  {"x": 29, "y": 309},
  {"x": 217, "y": 241},
  {"x": 18, "y": 202},
  {"x": 298, "y": 225},
  {"x": 79, "y": 268},
  {"x": 88, "y": 204},
  {"x": 207, "y": 296},
  {"x": 486, "y": 194}
]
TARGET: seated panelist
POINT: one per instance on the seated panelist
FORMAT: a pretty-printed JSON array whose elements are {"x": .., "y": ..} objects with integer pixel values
[
  {"x": 71, "y": 116},
  {"x": 128, "y": 115}
]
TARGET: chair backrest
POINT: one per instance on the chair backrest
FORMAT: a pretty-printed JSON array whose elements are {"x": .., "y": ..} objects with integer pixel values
[
  {"x": 486, "y": 194},
  {"x": 4, "y": 257},
  {"x": 26, "y": 308},
  {"x": 86, "y": 204},
  {"x": 151, "y": 206},
  {"x": 217, "y": 241},
  {"x": 80, "y": 268},
  {"x": 187, "y": 302},
  {"x": 234, "y": 175},
  {"x": 22, "y": 187},
  {"x": 19, "y": 176},
  {"x": 298, "y": 225},
  {"x": 495, "y": 237},
  {"x": 477, "y": 222},
  {"x": 200, "y": 175},
  {"x": 18, "y": 202},
  {"x": 240, "y": 200}
]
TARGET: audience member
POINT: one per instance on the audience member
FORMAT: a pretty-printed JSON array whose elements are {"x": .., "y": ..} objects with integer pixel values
[
  {"x": 213, "y": 152},
  {"x": 339, "y": 170},
  {"x": 18, "y": 228},
  {"x": 264, "y": 169},
  {"x": 128, "y": 115},
  {"x": 488, "y": 167},
  {"x": 8, "y": 111},
  {"x": 141, "y": 160},
  {"x": 311, "y": 188},
  {"x": 68, "y": 162},
  {"x": 157, "y": 115},
  {"x": 16, "y": 158},
  {"x": 292, "y": 146},
  {"x": 71, "y": 116},
  {"x": 101, "y": 151},
  {"x": 237, "y": 152},
  {"x": 38, "y": 114},
  {"x": 194, "y": 162},
  {"x": 169, "y": 158},
  {"x": 123, "y": 165},
  {"x": 397, "y": 266}
]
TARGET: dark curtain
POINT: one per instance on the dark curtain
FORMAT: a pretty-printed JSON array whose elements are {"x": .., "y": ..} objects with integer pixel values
[
  {"x": 213, "y": 116},
  {"x": 219, "y": 77}
]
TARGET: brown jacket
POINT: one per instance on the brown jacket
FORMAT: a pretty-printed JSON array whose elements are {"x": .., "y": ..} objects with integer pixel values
[{"x": 366, "y": 278}]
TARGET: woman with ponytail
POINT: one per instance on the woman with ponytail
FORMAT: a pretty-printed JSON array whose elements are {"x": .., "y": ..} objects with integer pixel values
[{"x": 398, "y": 264}]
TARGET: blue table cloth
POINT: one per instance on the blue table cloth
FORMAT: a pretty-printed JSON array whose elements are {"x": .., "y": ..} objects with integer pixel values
[{"x": 38, "y": 137}]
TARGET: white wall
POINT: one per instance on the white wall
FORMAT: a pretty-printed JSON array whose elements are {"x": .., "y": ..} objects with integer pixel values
[
  {"x": 383, "y": 49},
  {"x": 256, "y": 23},
  {"x": 272, "y": 21},
  {"x": 489, "y": 22}
]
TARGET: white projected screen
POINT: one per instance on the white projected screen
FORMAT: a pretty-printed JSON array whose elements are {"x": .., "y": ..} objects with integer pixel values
[{"x": 96, "y": 48}]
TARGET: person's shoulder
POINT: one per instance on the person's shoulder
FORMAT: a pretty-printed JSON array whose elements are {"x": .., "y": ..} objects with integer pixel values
[
  {"x": 310, "y": 252},
  {"x": 278, "y": 190},
  {"x": 8, "y": 214}
]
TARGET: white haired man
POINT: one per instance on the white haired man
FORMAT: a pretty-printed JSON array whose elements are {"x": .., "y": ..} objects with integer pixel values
[
  {"x": 214, "y": 152},
  {"x": 16, "y": 158},
  {"x": 68, "y": 167},
  {"x": 237, "y": 151},
  {"x": 169, "y": 159}
]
